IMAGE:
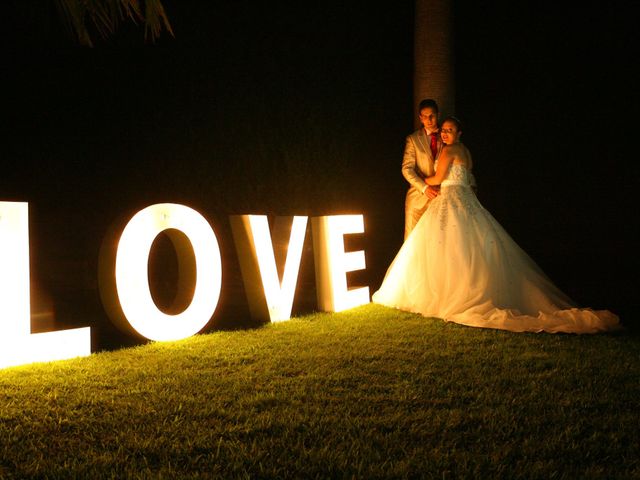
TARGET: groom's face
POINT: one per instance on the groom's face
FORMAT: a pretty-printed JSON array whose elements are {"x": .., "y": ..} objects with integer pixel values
[{"x": 429, "y": 118}]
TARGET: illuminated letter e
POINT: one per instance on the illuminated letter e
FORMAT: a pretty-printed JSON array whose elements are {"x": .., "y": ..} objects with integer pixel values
[{"x": 332, "y": 262}]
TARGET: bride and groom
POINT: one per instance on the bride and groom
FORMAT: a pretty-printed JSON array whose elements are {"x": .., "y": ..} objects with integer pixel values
[{"x": 457, "y": 262}]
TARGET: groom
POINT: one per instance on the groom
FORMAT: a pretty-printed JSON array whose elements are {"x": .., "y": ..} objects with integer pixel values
[{"x": 421, "y": 149}]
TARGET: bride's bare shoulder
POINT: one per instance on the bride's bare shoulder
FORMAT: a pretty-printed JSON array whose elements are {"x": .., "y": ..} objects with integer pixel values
[
  {"x": 453, "y": 148},
  {"x": 456, "y": 150}
]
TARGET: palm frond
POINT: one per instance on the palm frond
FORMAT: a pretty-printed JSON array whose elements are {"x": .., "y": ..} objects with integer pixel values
[
  {"x": 155, "y": 19},
  {"x": 105, "y": 16}
]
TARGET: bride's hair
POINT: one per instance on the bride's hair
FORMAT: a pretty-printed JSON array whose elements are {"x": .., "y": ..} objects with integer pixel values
[{"x": 455, "y": 120}]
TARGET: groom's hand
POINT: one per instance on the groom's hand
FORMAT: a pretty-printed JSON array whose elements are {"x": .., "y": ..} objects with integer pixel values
[{"x": 432, "y": 192}]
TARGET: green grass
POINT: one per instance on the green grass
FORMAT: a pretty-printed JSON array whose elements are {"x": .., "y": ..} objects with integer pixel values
[{"x": 369, "y": 393}]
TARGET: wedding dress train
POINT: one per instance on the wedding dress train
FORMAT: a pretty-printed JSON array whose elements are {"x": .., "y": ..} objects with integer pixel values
[{"x": 460, "y": 265}]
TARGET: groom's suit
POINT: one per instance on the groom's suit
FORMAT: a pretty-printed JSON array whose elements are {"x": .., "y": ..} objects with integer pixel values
[{"x": 417, "y": 164}]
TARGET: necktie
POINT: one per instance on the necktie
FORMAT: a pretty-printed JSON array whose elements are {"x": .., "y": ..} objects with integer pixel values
[{"x": 434, "y": 144}]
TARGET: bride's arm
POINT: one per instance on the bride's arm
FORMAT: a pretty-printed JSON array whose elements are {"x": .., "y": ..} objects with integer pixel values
[{"x": 444, "y": 160}]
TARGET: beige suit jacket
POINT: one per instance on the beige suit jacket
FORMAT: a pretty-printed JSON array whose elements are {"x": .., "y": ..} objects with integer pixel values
[{"x": 417, "y": 164}]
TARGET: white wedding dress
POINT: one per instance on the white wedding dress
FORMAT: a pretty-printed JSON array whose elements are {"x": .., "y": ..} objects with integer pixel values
[{"x": 460, "y": 265}]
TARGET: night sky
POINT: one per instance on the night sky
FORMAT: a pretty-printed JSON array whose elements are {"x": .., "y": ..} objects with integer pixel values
[{"x": 302, "y": 107}]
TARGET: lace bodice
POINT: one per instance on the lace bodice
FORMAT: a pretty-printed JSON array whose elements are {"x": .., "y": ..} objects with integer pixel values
[{"x": 457, "y": 175}]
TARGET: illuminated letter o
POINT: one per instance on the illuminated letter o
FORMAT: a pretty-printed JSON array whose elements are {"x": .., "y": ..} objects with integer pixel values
[{"x": 131, "y": 272}]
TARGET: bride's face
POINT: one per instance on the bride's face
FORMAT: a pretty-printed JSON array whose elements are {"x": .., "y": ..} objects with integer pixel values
[{"x": 449, "y": 133}]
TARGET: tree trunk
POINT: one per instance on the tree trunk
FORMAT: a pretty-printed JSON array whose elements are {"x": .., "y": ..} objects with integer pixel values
[{"x": 433, "y": 52}]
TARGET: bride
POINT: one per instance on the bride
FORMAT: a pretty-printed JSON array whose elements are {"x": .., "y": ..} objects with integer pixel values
[{"x": 460, "y": 265}]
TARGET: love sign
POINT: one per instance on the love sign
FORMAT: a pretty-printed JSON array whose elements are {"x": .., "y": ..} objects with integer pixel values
[{"x": 124, "y": 282}]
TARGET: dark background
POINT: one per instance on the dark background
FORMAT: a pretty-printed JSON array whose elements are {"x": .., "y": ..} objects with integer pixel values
[{"x": 302, "y": 108}]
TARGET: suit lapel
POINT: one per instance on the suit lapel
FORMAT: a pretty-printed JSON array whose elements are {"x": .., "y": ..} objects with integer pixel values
[
  {"x": 425, "y": 145},
  {"x": 422, "y": 138}
]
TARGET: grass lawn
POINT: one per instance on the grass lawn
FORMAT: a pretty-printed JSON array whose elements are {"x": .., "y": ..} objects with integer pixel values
[{"x": 368, "y": 393}]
